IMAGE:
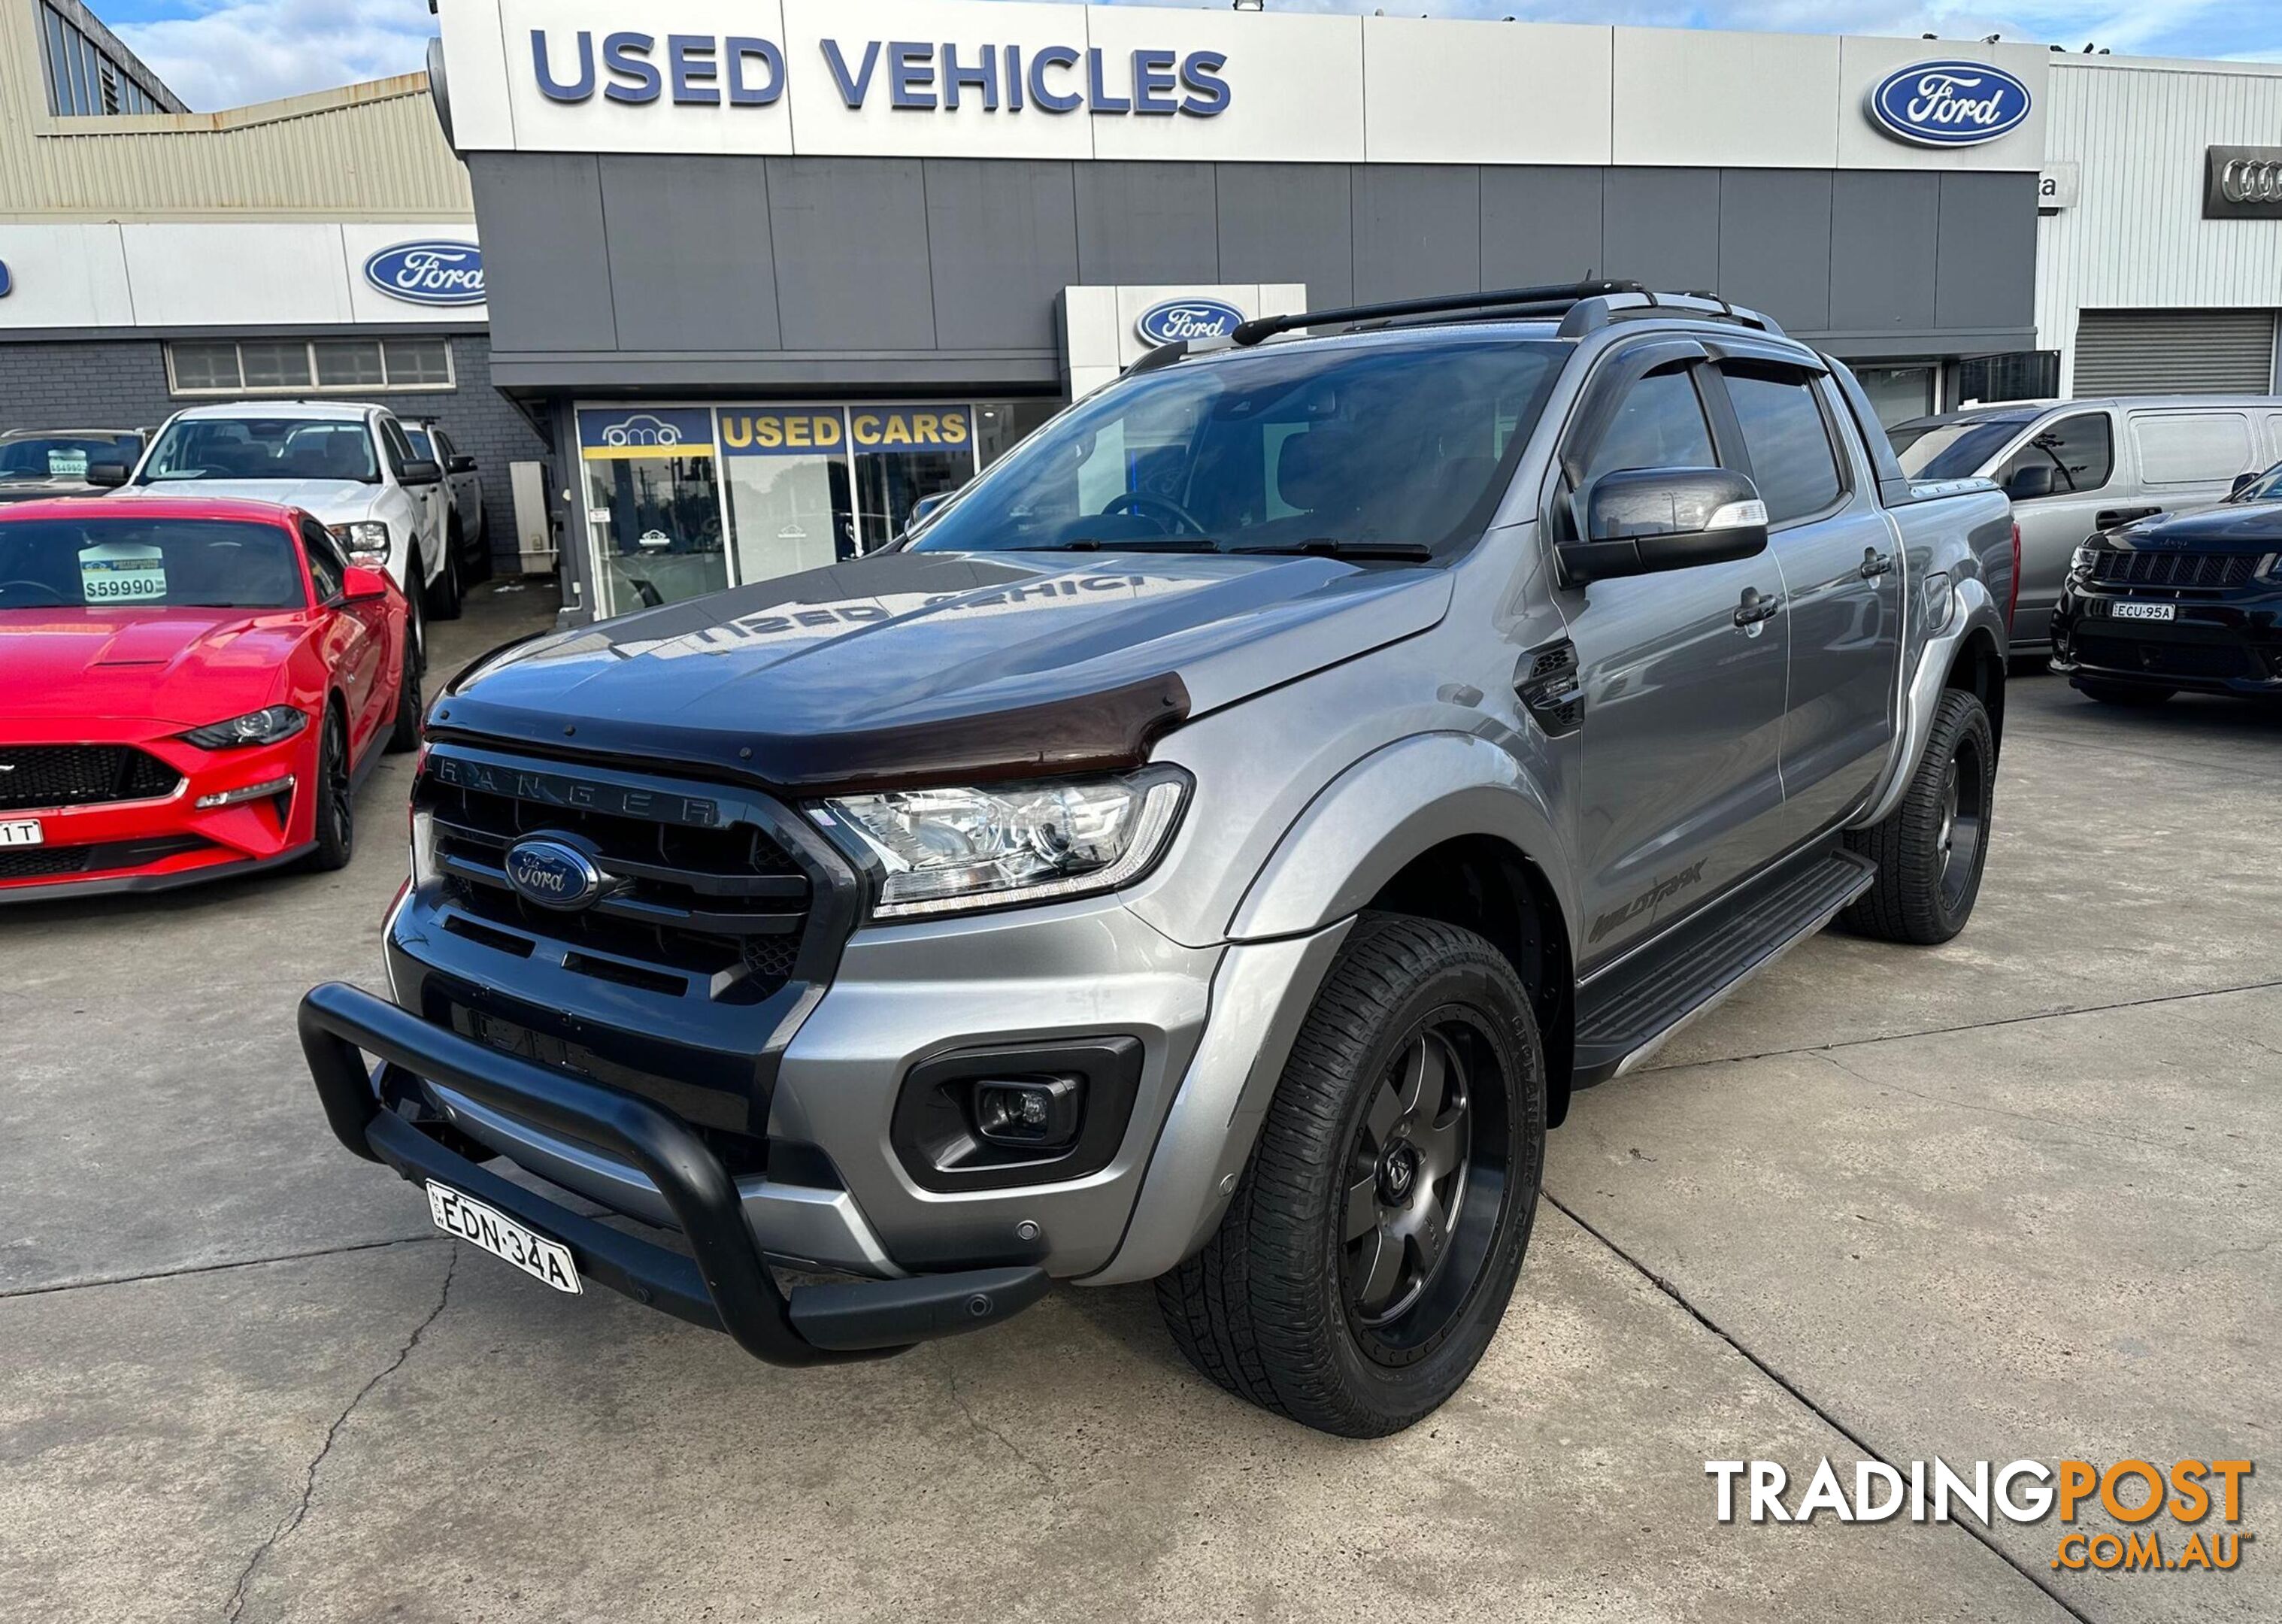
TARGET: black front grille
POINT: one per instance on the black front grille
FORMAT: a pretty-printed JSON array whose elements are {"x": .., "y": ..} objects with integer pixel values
[
  {"x": 2165, "y": 659},
  {"x": 715, "y": 911},
  {"x": 44, "y": 775},
  {"x": 2209, "y": 571},
  {"x": 44, "y": 862}
]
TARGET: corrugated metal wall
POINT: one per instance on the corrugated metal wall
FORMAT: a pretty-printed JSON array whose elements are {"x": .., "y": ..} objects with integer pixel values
[
  {"x": 2135, "y": 239},
  {"x": 371, "y": 149}
]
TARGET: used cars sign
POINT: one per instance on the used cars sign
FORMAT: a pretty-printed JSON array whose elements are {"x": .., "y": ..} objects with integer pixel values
[
  {"x": 1948, "y": 104},
  {"x": 428, "y": 273}
]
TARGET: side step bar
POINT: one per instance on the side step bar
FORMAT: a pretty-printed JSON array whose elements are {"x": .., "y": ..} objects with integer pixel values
[{"x": 1626, "y": 1010}]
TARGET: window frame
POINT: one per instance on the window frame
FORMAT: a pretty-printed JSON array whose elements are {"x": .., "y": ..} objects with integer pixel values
[
  {"x": 1740, "y": 459},
  {"x": 242, "y": 390}
]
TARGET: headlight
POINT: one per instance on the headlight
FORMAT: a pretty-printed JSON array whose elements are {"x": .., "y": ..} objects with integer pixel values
[
  {"x": 366, "y": 540},
  {"x": 945, "y": 850},
  {"x": 2081, "y": 561},
  {"x": 263, "y": 727}
]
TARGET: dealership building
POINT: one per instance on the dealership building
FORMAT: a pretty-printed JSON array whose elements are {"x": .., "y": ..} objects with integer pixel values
[{"x": 765, "y": 275}]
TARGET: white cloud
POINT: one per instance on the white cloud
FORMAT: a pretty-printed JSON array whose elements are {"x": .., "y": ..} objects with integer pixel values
[{"x": 236, "y": 51}]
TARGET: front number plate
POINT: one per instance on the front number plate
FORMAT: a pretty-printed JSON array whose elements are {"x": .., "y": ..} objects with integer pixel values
[
  {"x": 21, "y": 832},
  {"x": 2146, "y": 611},
  {"x": 493, "y": 1231}
]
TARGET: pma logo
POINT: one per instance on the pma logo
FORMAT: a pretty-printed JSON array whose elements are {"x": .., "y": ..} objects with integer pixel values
[
  {"x": 642, "y": 428},
  {"x": 1194, "y": 320},
  {"x": 432, "y": 273},
  {"x": 1948, "y": 104}
]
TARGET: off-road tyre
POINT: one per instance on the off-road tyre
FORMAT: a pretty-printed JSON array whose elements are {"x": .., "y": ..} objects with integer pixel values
[{"x": 1267, "y": 1309}]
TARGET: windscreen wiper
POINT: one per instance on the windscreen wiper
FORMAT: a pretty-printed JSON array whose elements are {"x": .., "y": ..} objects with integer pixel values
[
  {"x": 1334, "y": 547},
  {"x": 1137, "y": 544}
]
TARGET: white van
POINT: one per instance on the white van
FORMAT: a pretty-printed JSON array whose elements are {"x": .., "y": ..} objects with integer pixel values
[{"x": 2075, "y": 467}]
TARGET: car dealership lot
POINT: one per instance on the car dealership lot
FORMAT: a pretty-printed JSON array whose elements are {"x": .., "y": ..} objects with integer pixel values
[{"x": 2011, "y": 1197}]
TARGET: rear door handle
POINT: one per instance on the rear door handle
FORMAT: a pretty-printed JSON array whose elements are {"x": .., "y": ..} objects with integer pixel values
[
  {"x": 1875, "y": 564},
  {"x": 1756, "y": 606},
  {"x": 2108, "y": 519}
]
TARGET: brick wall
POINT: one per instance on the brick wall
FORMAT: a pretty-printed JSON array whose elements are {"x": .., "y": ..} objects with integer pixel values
[{"x": 122, "y": 383}]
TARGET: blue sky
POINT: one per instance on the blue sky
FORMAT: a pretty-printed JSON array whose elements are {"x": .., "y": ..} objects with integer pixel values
[{"x": 220, "y": 53}]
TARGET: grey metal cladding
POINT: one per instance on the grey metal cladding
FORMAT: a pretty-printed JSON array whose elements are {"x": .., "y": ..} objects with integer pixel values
[
  {"x": 544, "y": 266},
  {"x": 1002, "y": 242},
  {"x": 1540, "y": 225},
  {"x": 1417, "y": 230},
  {"x": 1775, "y": 243},
  {"x": 1662, "y": 227},
  {"x": 1885, "y": 244},
  {"x": 1146, "y": 222},
  {"x": 678, "y": 289},
  {"x": 1988, "y": 221},
  {"x": 1289, "y": 222},
  {"x": 851, "y": 252}
]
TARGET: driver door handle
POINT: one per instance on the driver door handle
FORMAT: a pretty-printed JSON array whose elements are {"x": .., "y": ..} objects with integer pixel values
[
  {"x": 1756, "y": 606},
  {"x": 2108, "y": 519},
  {"x": 1875, "y": 564}
]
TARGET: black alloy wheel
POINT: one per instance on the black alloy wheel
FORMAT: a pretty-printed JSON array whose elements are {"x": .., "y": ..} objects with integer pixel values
[{"x": 336, "y": 834}]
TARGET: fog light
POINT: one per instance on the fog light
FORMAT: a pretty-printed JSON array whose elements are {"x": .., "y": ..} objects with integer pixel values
[
  {"x": 1037, "y": 1113},
  {"x": 251, "y": 792}
]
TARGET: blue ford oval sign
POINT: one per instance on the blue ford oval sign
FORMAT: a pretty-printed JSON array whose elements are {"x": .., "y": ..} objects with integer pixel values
[
  {"x": 1948, "y": 104},
  {"x": 7, "y": 283},
  {"x": 553, "y": 874},
  {"x": 1192, "y": 319},
  {"x": 430, "y": 273}
]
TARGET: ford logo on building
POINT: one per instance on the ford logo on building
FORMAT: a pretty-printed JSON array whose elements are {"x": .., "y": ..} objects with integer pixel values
[
  {"x": 1948, "y": 104},
  {"x": 1194, "y": 320},
  {"x": 432, "y": 273},
  {"x": 553, "y": 874},
  {"x": 7, "y": 284}
]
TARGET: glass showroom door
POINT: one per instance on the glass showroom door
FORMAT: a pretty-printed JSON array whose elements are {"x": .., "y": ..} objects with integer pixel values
[
  {"x": 903, "y": 454},
  {"x": 789, "y": 505},
  {"x": 653, "y": 505}
]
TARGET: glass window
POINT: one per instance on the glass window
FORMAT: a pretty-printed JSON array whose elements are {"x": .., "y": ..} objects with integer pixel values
[
  {"x": 274, "y": 364},
  {"x": 2080, "y": 450},
  {"x": 201, "y": 367},
  {"x": 1660, "y": 425},
  {"x": 59, "y": 98},
  {"x": 1897, "y": 393},
  {"x": 327, "y": 568},
  {"x": 1001, "y": 425},
  {"x": 1272, "y": 448},
  {"x": 400, "y": 449},
  {"x": 100, "y": 561},
  {"x": 344, "y": 363},
  {"x": 418, "y": 362},
  {"x": 422, "y": 444},
  {"x": 652, "y": 504},
  {"x": 62, "y": 456},
  {"x": 1955, "y": 449},
  {"x": 1788, "y": 442},
  {"x": 260, "y": 449},
  {"x": 791, "y": 504}
]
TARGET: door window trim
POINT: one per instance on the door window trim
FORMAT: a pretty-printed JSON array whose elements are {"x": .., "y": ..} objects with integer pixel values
[{"x": 1841, "y": 457}]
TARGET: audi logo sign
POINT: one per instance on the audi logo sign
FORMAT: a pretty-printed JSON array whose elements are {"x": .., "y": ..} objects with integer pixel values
[{"x": 2242, "y": 182}]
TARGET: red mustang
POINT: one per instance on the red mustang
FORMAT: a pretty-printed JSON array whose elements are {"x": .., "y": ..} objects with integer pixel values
[{"x": 188, "y": 690}]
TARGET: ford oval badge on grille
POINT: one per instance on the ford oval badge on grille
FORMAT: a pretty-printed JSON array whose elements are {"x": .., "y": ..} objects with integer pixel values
[{"x": 553, "y": 874}]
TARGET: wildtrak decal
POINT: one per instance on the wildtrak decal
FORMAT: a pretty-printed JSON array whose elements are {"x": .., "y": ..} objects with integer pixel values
[{"x": 1663, "y": 890}]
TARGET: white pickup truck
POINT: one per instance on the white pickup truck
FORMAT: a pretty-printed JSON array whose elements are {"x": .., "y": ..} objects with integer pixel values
[{"x": 347, "y": 464}]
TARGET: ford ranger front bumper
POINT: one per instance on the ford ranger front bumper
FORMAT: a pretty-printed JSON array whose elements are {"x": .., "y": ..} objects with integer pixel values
[{"x": 723, "y": 1282}]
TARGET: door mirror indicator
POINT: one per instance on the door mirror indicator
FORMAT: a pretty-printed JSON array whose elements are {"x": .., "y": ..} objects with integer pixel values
[
  {"x": 1637, "y": 521},
  {"x": 360, "y": 584},
  {"x": 2028, "y": 483}
]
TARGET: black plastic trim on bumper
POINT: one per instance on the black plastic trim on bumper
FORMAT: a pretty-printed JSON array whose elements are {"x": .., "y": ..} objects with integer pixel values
[{"x": 725, "y": 1284}]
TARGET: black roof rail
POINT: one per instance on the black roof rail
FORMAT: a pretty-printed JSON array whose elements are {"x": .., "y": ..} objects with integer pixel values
[
  {"x": 1589, "y": 315},
  {"x": 1561, "y": 294}
]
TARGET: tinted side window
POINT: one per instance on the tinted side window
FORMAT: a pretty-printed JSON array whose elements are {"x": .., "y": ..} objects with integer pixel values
[
  {"x": 2080, "y": 450},
  {"x": 1660, "y": 425},
  {"x": 1784, "y": 431},
  {"x": 327, "y": 568},
  {"x": 400, "y": 449}
]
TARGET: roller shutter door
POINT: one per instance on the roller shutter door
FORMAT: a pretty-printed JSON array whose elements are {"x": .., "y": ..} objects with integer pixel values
[{"x": 2173, "y": 353}]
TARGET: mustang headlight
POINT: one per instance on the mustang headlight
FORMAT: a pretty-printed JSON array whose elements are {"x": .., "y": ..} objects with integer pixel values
[
  {"x": 945, "y": 850},
  {"x": 267, "y": 726},
  {"x": 367, "y": 541}
]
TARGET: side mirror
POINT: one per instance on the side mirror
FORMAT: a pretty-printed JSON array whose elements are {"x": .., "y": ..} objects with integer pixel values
[
  {"x": 360, "y": 584},
  {"x": 422, "y": 471},
  {"x": 2242, "y": 482},
  {"x": 2031, "y": 481},
  {"x": 462, "y": 464},
  {"x": 1641, "y": 520},
  {"x": 109, "y": 476},
  {"x": 925, "y": 508}
]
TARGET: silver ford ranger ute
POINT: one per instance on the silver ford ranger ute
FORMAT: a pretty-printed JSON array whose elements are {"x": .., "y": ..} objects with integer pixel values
[{"x": 1211, "y": 849}]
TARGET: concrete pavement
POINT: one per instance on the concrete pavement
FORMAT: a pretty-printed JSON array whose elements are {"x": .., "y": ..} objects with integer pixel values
[{"x": 2005, "y": 1198}]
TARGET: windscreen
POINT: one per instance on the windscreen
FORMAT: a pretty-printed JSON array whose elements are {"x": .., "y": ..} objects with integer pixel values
[
  {"x": 1278, "y": 448},
  {"x": 62, "y": 457},
  {"x": 1951, "y": 450},
  {"x": 2266, "y": 487},
  {"x": 160, "y": 563},
  {"x": 260, "y": 449}
]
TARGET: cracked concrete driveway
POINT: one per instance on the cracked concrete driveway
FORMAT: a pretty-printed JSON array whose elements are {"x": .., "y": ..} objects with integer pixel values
[{"x": 2007, "y": 1198}]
